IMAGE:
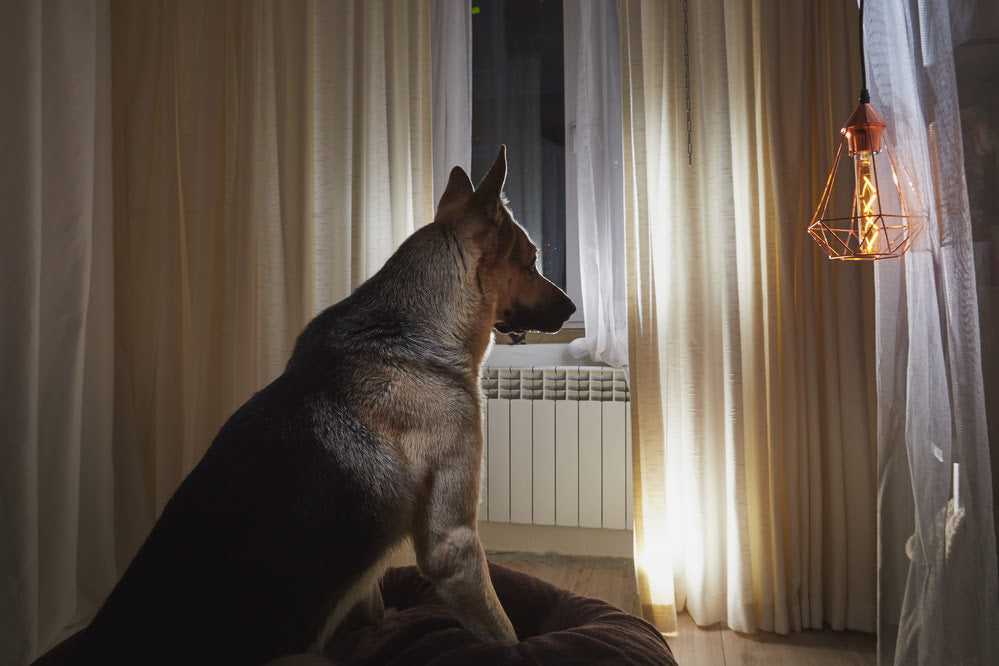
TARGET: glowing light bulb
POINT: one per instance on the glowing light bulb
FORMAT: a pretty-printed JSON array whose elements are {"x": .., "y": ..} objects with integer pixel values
[{"x": 866, "y": 206}]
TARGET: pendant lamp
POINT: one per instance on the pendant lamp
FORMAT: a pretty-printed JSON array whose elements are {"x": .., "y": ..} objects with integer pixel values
[{"x": 864, "y": 216}]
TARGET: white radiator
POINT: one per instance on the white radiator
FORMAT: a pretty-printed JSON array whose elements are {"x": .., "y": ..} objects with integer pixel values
[{"x": 557, "y": 447}]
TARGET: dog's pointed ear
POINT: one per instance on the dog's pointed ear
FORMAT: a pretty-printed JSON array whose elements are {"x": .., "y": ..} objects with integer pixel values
[
  {"x": 489, "y": 193},
  {"x": 458, "y": 190}
]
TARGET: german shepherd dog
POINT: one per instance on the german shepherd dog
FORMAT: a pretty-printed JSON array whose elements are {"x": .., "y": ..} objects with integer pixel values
[{"x": 372, "y": 434}]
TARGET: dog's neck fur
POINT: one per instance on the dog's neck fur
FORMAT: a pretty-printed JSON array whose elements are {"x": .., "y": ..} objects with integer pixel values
[
  {"x": 431, "y": 289},
  {"x": 435, "y": 296},
  {"x": 438, "y": 266}
]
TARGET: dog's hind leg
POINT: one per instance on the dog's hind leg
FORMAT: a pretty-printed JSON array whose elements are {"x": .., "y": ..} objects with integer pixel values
[
  {"x": 368, "y": 610},
  {"x": 362, "y": 604}
]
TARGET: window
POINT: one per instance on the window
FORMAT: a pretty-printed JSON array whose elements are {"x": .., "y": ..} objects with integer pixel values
[{"x": 518, "y": 98}]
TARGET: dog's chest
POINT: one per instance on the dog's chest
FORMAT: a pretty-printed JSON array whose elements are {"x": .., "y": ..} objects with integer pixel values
[{"x": 427, "y": 417}]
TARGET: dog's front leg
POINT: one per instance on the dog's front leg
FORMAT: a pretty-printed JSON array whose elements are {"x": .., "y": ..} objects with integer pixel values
[{"x": 449, "y": 553}]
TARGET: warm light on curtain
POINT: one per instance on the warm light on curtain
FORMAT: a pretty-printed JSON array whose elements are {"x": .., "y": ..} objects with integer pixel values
[{"x": 752, "y": 404}]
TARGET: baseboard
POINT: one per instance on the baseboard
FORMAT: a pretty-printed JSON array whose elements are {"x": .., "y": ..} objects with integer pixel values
[{"x": 575, "y": 541}]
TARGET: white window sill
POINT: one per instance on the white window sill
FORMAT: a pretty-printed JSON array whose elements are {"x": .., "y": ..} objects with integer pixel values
[{"x": 533, "y": 356}]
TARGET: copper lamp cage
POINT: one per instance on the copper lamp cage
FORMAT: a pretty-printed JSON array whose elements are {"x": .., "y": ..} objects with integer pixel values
[{"x": 878, "y": 226}]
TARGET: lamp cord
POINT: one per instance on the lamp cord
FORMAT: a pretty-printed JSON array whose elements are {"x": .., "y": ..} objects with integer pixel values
[
  {"x": 686, "y": 83},
  {"x": 865, "y": 95}
]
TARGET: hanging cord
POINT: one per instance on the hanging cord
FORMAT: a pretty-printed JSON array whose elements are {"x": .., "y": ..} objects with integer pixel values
[
  {"x": 686, "y": 83},
  {"x": 865, "y": 95}
]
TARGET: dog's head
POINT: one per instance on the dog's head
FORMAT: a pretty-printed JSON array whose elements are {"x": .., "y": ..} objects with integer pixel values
[{"x": 520, "y": 298}]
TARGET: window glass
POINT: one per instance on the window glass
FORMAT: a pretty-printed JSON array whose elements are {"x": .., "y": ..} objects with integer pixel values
[{"x": 518, "y": 98}]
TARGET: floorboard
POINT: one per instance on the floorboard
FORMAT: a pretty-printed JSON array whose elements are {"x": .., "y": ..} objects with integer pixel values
[{"x": 612, "y": 580}]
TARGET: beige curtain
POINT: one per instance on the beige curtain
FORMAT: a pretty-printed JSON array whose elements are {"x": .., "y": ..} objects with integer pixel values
[
  {"x": 262, "y": 159},
  {"x": 268, "y": 157},
  {"x": 56, "y": 321},
  {"x": 751, "y": 354}
]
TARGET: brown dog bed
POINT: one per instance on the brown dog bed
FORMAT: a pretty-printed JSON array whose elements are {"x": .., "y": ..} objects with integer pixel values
[{"x": 554, "y": 625}]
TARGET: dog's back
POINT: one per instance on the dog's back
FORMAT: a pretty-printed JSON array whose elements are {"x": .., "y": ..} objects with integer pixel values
[{"x": 294, "y": 499}]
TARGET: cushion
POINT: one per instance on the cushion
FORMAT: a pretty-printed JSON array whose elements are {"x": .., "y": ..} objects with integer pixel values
[{"x": 554, "y": 625}]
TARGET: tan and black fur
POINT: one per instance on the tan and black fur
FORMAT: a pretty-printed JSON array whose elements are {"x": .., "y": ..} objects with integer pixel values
[{"x": 372, "y": 434}]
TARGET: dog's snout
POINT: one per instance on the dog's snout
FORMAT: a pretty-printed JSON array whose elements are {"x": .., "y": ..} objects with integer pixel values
[
  {"x": 564, "y": 305},
  {"x": 561, "y": 309}
]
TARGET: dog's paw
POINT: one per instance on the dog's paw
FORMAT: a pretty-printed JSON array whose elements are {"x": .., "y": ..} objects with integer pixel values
[{"x": 517, "y": 337}]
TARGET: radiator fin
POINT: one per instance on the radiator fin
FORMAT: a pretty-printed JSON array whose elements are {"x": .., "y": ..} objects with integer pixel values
[{"x": 558, "y": 447}]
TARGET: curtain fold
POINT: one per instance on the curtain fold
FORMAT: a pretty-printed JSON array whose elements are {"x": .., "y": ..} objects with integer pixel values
[
  {"x": 269, "y": 156},
  {"x": 451, "y": 26},
  {"x": 595, "y": 139},
  {"x": 750, "y": 354},
  {"x": 938, "y": 596},
  {"x": 57, "y": 558}
]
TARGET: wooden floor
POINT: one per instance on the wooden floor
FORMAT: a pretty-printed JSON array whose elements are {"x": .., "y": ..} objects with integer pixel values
[{"x": 612, "y": 581}]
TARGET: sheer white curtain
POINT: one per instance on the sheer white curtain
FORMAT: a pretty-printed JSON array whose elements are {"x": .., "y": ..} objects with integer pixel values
[
  {"x": 594, "y": 98},
  {"x": 937, "y": 558},
  {"x": 751, "y": 355},
  {"x": 56, "y": 309}
]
